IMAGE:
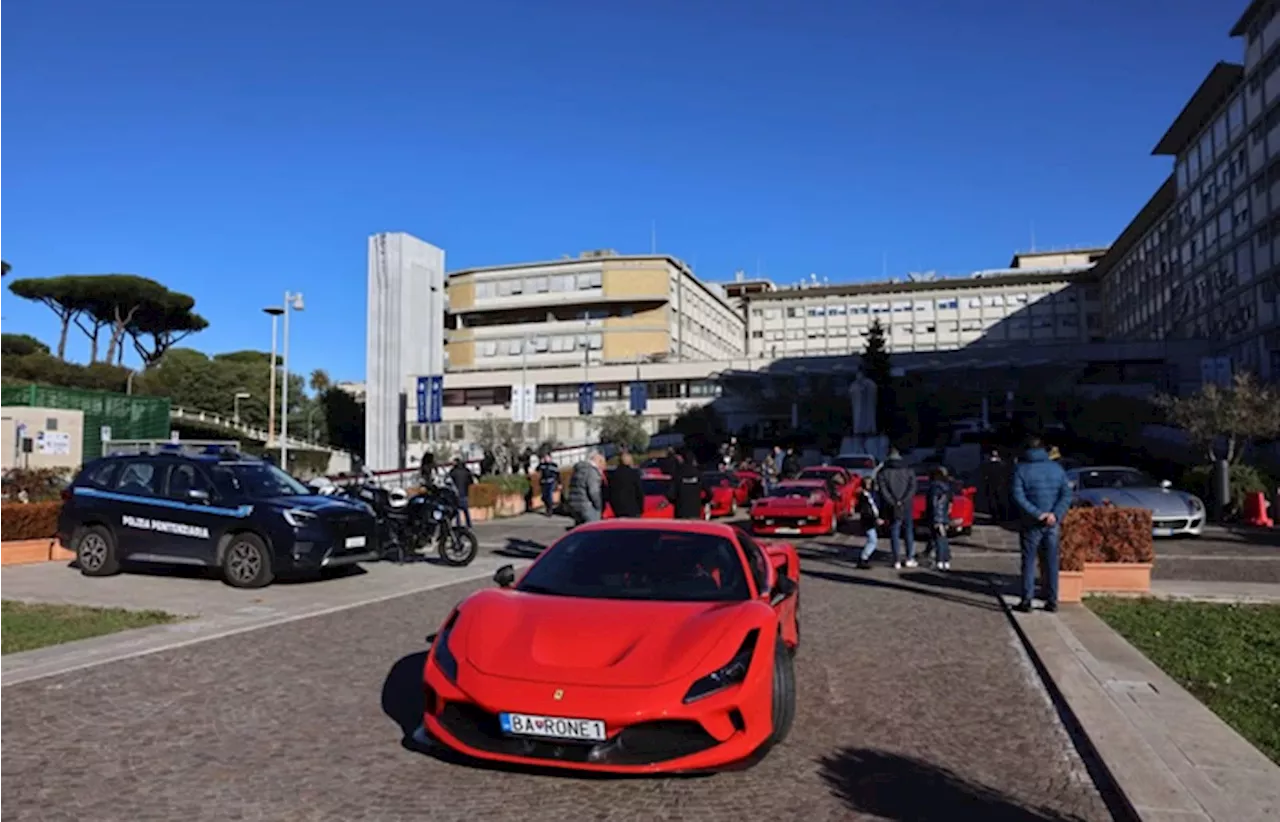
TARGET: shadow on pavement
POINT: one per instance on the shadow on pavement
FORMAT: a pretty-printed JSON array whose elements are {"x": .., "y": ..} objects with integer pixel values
[
  {"x": 520, "y": 548},
  {"x": 157, "y": 569},
  {"x": 987, "y": 603},
  {"x": 891, "y": 786},
  {"x": 974, "y": 582}
]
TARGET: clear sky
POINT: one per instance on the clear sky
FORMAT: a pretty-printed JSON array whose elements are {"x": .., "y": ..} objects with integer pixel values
[{"x": 236, "y": 149}]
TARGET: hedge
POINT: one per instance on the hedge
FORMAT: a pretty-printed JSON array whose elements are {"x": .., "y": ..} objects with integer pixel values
[
  {"x": 483, "y": 495},
  {"x": 29, "y": 520},
  {"x": 1106, "y": 534},
  {"x": 507, "y": 483},
  {"x": 39, "y": 484}
]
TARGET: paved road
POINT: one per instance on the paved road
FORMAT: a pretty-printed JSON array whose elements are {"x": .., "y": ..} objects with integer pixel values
[{"x": 915, "y": 702}]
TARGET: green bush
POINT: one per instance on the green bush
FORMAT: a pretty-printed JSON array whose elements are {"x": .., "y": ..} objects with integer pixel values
[
  {"x": 508, "y": 483},
  {"x": 39, "y": 484},
  {"x": 1245, "y": 480}
]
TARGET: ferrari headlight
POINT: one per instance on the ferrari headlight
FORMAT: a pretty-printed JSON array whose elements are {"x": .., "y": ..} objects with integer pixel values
[
  {"x": 1195, "y": 505},
  {"x": 732, "y": 673},
  {"x": 444, "y": 657}
]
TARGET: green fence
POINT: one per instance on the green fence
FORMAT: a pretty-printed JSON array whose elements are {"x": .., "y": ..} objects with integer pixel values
[{"x": 129, "y": 416}]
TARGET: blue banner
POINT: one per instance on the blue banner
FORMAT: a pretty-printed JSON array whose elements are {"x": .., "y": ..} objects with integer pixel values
[
  {"x": 639, "y": 397},
  {"x": 436, "y": 400},
  {"x": 586, "y": 398},
  {"x": 423, "y": 382}
]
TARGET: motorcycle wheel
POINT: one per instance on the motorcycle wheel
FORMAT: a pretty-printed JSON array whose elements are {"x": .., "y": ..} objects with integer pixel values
[{"x": 459, "y": 547}]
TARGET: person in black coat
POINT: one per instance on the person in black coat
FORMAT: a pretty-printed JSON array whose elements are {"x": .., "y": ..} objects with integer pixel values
[
  {"x": 462, "y": 479},
  {"x": 626, "y": 488},
  {"x": 686, "y": 488}
]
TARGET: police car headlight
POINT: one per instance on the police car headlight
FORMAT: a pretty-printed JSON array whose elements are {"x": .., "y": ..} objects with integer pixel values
[{"x": 298, "y": 518}]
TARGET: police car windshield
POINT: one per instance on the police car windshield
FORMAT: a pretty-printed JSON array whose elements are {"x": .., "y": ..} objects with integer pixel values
[{"x": 256, "y": 480}]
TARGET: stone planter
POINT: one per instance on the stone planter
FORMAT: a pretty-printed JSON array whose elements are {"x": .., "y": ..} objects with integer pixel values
[
  {"x": 1117, "y": 577},
  {"x": 1070, "y": 586},
  {"x": 27, "y": 551}
]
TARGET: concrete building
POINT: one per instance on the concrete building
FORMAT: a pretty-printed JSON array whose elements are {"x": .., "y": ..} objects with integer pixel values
[
  {"x": 1200, "y": 261},
  {"x": 41, "y": 437},
  {"x": 601, "y": 308},
  {"x": 1042, "y": 297},
  {"x": 405, "y": 337}
]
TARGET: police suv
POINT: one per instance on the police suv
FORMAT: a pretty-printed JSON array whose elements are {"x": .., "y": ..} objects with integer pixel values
[{"x": 212, "y": 508}]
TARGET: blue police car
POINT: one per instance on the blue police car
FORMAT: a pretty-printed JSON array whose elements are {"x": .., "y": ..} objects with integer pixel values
[{"x": 214, "y": 508}]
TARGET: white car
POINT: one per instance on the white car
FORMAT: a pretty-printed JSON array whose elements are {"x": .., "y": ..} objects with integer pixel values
[{"x": 864, "y": 465}]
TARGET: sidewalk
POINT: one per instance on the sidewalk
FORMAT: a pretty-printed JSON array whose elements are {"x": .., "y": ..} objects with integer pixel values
[{"x": 1169, "y": 755}]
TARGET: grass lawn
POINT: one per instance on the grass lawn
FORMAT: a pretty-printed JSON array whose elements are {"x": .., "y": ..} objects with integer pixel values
[
  {"x": 24, "y": 626},
  {"x": 1228, "y": 656}
]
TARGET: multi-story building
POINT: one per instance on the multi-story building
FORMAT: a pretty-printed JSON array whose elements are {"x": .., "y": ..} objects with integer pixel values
[
  {"x": 1202, "y": 258},
  {"x": 1042, "y": 297},
  {"x": 601, "y": 308}
]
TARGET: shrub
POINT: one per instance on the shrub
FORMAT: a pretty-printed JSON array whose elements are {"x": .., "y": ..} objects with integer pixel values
[
  {"x": 1245, "y": 480},
  {"x": 508, "y": 483},
  {"x": 1106, "y": 534},
  {"x": 39, "y": 484},
  {"x": 29, "y": 520},
  {"x": 483, "y": 495}
]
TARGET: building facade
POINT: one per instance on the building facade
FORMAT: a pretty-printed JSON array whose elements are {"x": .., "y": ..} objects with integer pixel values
[
  {"x": 602, "y": 308},
  {"x": 1043, "y": 297},
  {"x": 404, "y": 337}
]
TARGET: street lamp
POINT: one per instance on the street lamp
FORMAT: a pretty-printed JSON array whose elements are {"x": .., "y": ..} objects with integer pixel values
[
  {"x": 275, "y": 311},
  {"x": 293, "y": 301},
  {"x": 235, "y": 405}
]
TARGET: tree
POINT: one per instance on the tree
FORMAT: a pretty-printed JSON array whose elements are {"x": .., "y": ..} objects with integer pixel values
[
  {"x": 320, "y": 382},
  {"x": 20, "y": 345},
  {"x": 64, "y": 296},
  {"x": 344, "y": 420},
  {"x": 5, "y": 268},
  {"x": 117, "y": 300},
  {"x": 624, "y": 430},
  {"x": 878, "y": 368},
  {"x": 166, "y": 322},
  {"x": 501, "y": 438},
  {"x": 1238, "y": 415}
]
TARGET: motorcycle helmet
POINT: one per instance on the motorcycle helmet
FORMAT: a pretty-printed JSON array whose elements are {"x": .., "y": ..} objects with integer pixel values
[{"x": 398, "y": 498}]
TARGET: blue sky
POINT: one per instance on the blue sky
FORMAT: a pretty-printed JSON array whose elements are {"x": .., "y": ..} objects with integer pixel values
[{"x": 233, "y": 150}]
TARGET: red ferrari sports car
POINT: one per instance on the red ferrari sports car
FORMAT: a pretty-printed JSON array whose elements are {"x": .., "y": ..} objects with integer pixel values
[
  {"x": 961, "y": 507},
  {"x": 843, "y": 485},
  {"x": 724, "y": 492},
  {"x": 627, "y": 647},
  {"x": 795, "y": 507},
  {"x": 656, "y": 503}
]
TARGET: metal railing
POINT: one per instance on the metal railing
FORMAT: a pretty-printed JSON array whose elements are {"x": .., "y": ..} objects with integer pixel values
[{"x": 252, "y": 432}]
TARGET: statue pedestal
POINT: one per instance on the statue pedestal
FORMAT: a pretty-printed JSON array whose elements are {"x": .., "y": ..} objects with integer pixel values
[{"x": 877, "y": 445}]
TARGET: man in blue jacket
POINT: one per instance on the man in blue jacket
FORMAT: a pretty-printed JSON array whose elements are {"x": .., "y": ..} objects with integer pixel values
[{"x": 1043, "y": 494}]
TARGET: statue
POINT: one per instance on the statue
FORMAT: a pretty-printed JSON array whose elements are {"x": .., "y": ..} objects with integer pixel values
[{"x": 863, "y": 395}]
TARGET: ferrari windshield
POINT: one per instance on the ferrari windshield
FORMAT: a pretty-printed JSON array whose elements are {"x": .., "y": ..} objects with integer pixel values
[
  {"x": 718, "y": 478},
  {"x": 863, "y": 463},
  {"x": 640, "y": 564},
  {"x": 655, "y": 487},
  {"x": 1116, "y": 478},
  {"x": 789, "y": 490}
]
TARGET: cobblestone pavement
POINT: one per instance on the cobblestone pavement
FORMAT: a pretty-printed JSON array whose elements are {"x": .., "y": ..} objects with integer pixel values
[{"x": 915, "y": 702}]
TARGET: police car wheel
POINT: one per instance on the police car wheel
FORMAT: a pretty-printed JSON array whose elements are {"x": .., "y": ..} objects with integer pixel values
[
  {"x": 96, "y": 551},
  {"x": 246, "y": 563}
]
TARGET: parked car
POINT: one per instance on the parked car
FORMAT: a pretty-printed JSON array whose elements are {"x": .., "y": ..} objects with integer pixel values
[
  {"x": 720, "y": 490},
  {"x": 864, "y": 465},
  {"x": 1173, "y": 512},
  {"x": 657, "y": 505},
  {"x": 961, "y": 514},
  {"x": 795, "y": 507},
  {"x": 843, "y": 484}
]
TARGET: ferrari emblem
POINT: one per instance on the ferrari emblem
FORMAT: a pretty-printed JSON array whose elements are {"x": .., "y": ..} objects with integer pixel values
[{"x": 558, "y": 695}]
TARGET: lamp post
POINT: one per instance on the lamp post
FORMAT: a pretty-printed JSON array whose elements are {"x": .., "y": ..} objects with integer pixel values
[
  {"x": 275, "y": 311},
  {"x": 235, "y": 405},
  {"x": 291, "y": 301}
]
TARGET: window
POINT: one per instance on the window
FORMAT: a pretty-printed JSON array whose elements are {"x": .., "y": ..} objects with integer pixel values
[
  {"x": 140, "y": 479},
  {"x": 756, "y": 559},
  {"x": 185, "y": 478},
  {"x": 99, "y": 474},
  {"x": 948, "y": 304},
  {"x": 541, "y": 285}
]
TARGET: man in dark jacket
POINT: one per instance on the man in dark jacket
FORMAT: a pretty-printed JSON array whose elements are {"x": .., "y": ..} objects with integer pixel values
[
  {"x": 548, "y": 479},
  {"x": 897, "y": 484},
  {"x": 1042, "y": 493},
  {"x": 938, "y": 513},
  {"x": 462, "y": 478},
  {"x": 670, "y": 464},
  {"x": 791, "y": 464},
  {"x": 686, "y": 488},
  {"x": 626, "y": 488}
]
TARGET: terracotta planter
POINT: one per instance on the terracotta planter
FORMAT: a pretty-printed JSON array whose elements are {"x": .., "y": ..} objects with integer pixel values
[
  {"x": 1117, "y": 577},
  {"x": 1070, "y": 586},
  {"x": 27, "y": 551}
]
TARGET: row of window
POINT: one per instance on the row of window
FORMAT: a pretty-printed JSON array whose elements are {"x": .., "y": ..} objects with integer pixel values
[
  {"x": 1067, "y": 296},
  {"x": 1212, "y": 145},
  {"x": 555, "y": 343},
  {"x": 538, "y": 284},
  {"x": 568, "y": 392}
]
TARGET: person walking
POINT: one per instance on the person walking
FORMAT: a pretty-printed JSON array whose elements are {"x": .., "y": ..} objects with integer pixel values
[
  {"x": 897, "y": 486},
  {"x": 772, "y": 468},
  {"x": 791, "y": 464},
  {"x": 686, "y": 488},
  {"x": 462, "y": 478},
  {"x": 938, "y": 514},
  {"x": 586, "y": 489},
  {"x": 548, "y": 478},
  {"x": 626, "y": 488},
  {"x": 1042, "y": 493},
  {"x": 869, "y": 515}
]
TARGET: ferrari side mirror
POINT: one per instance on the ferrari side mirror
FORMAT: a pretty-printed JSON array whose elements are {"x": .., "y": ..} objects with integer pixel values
[{"x": 505, "y": 576}]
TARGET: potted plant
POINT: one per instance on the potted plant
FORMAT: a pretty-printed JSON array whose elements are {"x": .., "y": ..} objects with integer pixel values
[{"x": 1112, "y": 547}]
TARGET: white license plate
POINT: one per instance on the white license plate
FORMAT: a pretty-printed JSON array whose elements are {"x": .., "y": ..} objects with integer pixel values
[
  {"x": 355, "y": 542},
  {"x": 553, "y": 727},
  {"x": 786, "y": 530},
  {"x": 1162, "y": 532}
]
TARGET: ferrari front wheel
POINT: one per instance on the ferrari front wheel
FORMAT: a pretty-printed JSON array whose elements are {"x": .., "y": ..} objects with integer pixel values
[{"x": 784, "y": 692}]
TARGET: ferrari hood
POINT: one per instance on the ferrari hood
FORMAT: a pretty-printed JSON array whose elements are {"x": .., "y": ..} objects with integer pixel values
[{"x": 609, "y": 643}]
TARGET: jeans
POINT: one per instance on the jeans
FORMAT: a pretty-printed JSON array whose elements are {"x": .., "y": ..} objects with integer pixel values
[
  {"x": 548, "y": 497},
  {"x": 870, "y": 548},
  {"x": 1035, "y": 539},
  {"x": 464, "y": 514},
  {"x": 941, "y": 547},
  {"x": 581, "y": 516},
  {"x": 901, "y": 528}
]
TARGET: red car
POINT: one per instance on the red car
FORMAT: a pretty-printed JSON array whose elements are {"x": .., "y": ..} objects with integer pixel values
[
  {"x": 626, "y": 647},
  {"x": 795, "y": 507},
  {"x": 961, "y": 507},
  {"x": 724, "y": 492},
  {"x": 656, "y": 503},
  {"x": 844, "y": 485}
]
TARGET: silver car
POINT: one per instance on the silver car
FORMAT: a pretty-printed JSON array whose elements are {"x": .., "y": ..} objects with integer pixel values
[
  {"x": 864, "y": 465},
  {"x": 1174, "y": 513}
]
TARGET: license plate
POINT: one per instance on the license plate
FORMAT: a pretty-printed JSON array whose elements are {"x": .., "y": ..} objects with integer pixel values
[
  {"x": 553, "y": 727},
  {"x": 1162, "y": 532},
  {"x": 786, "y": 530},
  {"x": 355, "y": 542}
]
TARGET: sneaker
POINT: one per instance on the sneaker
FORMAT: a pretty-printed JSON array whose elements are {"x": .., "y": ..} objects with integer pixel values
[
  {"x": 946, "y": 566},
  {"x": 1051, "y": 607},
  {"x": 864, "y": 564},
  {"x": 1023, "y": 607},
  {"x": 911, "y": 563},
  {"x": 897, "y": 566}
]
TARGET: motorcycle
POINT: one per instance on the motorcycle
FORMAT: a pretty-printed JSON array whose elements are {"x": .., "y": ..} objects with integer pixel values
[{"x": 409, "y": 526}]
